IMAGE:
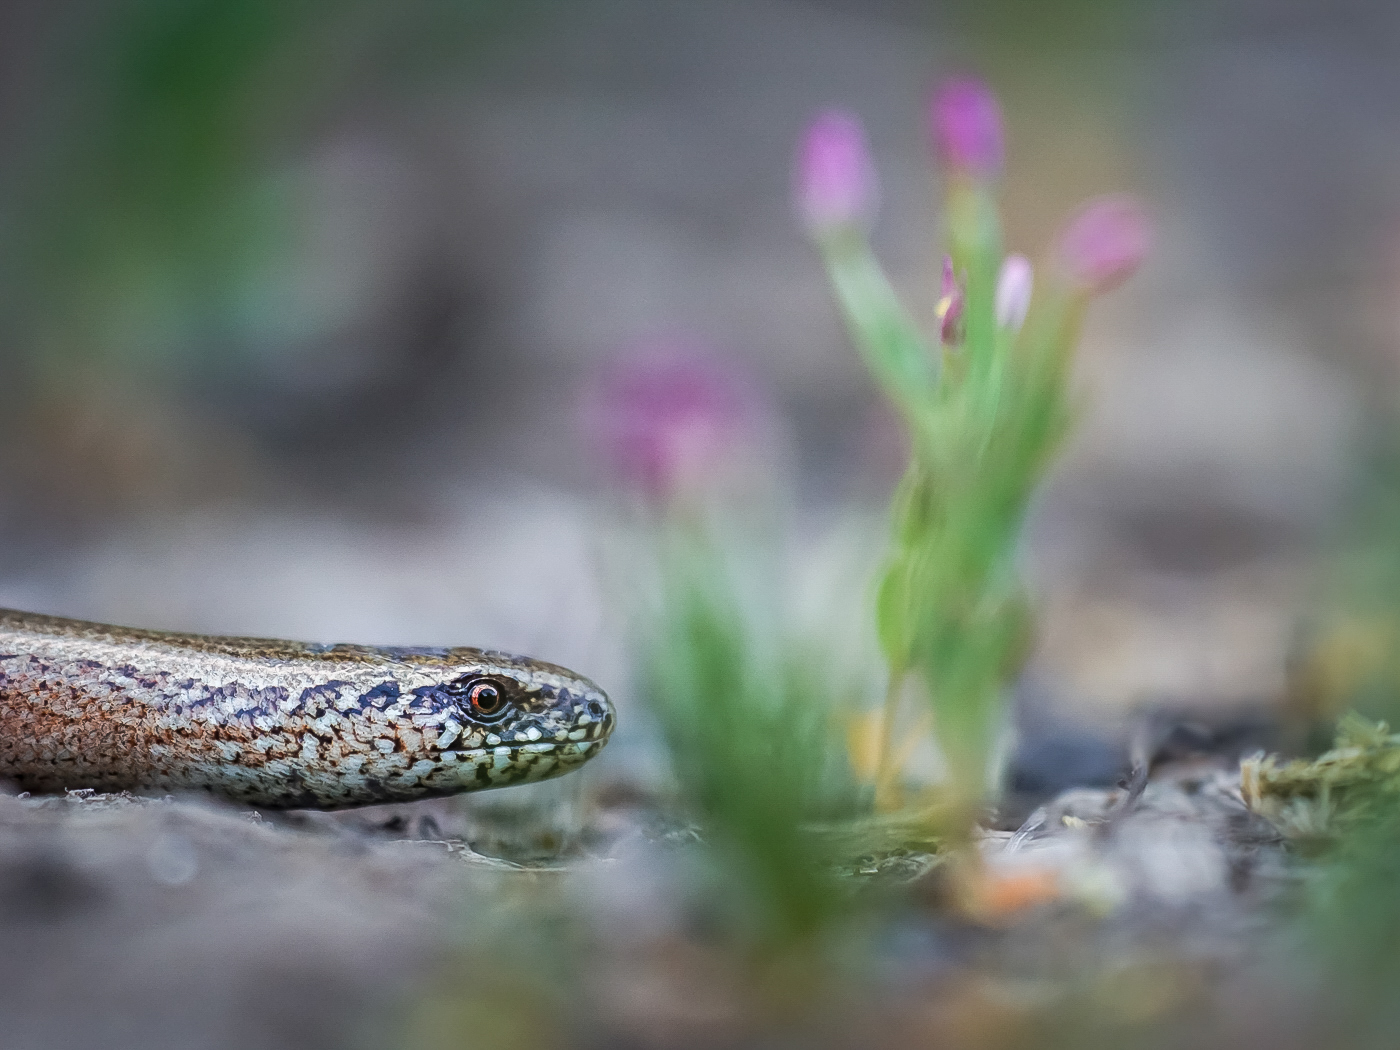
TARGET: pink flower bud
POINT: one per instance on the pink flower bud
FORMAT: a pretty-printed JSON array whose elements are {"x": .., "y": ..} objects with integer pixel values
[
  {"x": 965, "y": 119},
  {"x": 668, "y": 417},
  {"x": 1014, "y": 291},
  {"x": 950, "y": 306},
  {"x": 834, "y": 184},
  {"x": 1105, "y": 243}
]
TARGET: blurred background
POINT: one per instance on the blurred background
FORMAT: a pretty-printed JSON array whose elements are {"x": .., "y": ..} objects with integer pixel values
[
  {"x": 299, "y": 300},
  {"x": 301, "y": 304}
]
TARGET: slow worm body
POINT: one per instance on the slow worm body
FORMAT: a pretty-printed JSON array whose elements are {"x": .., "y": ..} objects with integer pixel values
[{"x": 280, "y": 724}]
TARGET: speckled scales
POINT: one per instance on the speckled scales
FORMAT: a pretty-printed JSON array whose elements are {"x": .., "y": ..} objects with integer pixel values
[{"x": 276, "y": 724}]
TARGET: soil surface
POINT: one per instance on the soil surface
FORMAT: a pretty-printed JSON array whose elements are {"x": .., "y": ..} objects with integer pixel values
[{"x": 186, "y": 923}]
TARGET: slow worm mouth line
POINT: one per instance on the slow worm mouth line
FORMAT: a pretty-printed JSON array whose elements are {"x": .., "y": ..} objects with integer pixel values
[
  {"x": 537, "y": 747},
  {"x": 592, "y": 731}
]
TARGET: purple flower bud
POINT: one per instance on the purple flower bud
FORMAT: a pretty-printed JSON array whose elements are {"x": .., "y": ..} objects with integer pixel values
[
  {"x": 1105, "y": 243},
  {"x": 834, "y": 182},
  {"x": 951, "y": 301},
  {"x": 1014, "y": 291},
  {"x": 965, "y": 119},
  {"x": 669, "y": 416}
]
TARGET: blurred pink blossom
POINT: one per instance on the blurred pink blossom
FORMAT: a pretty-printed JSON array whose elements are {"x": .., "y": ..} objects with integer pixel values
[
  {"x": 1014, "y": 285},
  {"x": 951, "y": 301},
  {"x": 1105, "y": 243},
  {"x": 670, "y": 416},
  {"x": 965, "y": 119},
  {"x": 834, "y": 184}
]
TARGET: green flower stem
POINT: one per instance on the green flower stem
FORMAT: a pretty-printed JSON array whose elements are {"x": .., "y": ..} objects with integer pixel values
[
  {"x": 974, "y": 234},
  {"x": 886, "y": 769},
  {"x": 895, "y": 353}
]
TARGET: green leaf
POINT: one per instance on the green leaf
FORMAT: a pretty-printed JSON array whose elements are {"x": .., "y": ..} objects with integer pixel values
[{"x": 887, "y": 337}]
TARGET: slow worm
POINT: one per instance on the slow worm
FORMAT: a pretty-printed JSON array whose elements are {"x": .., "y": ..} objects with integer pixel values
[{"x": 280, "y": 724}]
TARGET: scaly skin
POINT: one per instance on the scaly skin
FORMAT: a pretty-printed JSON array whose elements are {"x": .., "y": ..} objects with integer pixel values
[{"x": 278, "y": 724}]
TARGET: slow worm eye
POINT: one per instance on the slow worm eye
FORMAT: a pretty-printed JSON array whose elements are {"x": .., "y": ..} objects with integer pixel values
[{"x": 484, "y": 698}]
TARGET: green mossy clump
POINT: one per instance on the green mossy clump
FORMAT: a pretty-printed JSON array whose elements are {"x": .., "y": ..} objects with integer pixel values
[{"x": 1357, "y": 780}]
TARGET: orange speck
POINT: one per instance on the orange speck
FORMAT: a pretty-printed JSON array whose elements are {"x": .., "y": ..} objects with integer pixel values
[{"x": 996, "y": 897}]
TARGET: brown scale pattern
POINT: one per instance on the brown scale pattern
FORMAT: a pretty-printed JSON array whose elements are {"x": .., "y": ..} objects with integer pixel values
[{"x": 278, "y": 724}]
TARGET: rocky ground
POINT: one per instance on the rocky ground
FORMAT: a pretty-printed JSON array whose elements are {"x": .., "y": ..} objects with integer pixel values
[{"x": 185, "y": 923}]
